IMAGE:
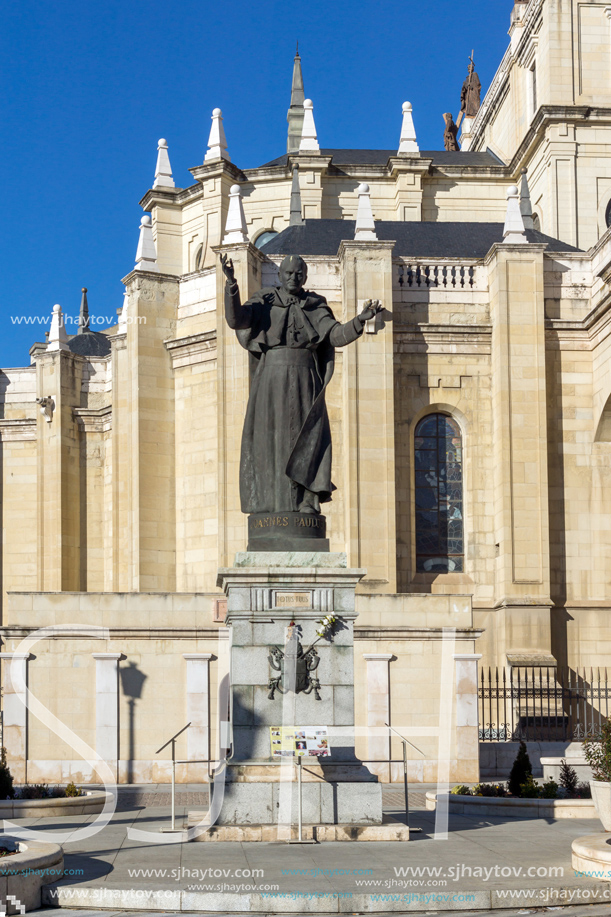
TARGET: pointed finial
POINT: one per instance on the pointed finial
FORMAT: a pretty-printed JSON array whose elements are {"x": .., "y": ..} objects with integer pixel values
[
  {"x": 83, "y": 319},
  {"x": 365, "y": 229},
  {"x": 146, "y": 255},
  {"x": 163, "y": 170},
  {"x": 408, "y": 142},
  {"x": 525, "y": 203},
  {"x": 309, "y": 140},
  {"x": 217, "y": 144},
  {"x": 58, "y": 339},
  {"x": 123, "y": 314},
  {"x": 513, "y": 231},
  {"x": 297, "y": 49},
  {"x": 295, "y": 217},
  {"x": 235, "y": 227}
]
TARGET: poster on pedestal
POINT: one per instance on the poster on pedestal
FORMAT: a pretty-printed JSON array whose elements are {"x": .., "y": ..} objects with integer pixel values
[{"x": 295, "y": 742}]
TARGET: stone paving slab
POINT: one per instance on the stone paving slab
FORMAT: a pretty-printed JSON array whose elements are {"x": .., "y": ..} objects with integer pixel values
[
  {"x": 590, "y": 910},
  {"x": 480, "y": 866}
]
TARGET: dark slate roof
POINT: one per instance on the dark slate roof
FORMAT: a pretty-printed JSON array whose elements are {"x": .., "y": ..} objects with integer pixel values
[
  {"x": 413, "y": 239},
  {"x": 90, "y": 344},
  {"x": 381, "y": 157}
]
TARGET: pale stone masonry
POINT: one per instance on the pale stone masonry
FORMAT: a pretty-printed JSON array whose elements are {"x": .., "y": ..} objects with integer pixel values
[{"x": 120, "y": 495}]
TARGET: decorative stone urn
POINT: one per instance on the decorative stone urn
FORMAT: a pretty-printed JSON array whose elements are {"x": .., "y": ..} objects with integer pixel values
[{"x": 601, "y": 795}]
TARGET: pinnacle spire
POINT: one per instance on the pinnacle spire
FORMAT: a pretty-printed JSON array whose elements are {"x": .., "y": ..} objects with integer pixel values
[
  {"x": 513, "y": 231},
  {"x": 295, "y": 112},
  {"x": 217, "y": 144},
  {"x": 235, "y": 227},
  {"x": 146, "y": 253},
  {"x": 365, "y": 229},
  {"x": 83, "y": 319},
  {"x": 163, "y": 170},
  {"x": 58, "y": 339},
  {"x": 309, "y": 138},
  {"x": 408, "y": 142},
  {"x": 525, "y": 203},
  {"x": 295, "y": 218}
]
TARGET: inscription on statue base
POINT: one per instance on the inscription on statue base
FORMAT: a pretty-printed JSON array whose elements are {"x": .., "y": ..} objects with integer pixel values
[
  {"x": 293, "y": 600},
  {"x": 287, "y": 532}
]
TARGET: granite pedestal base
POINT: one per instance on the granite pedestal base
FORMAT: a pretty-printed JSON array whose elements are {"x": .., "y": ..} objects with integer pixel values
[
  {"x": 389, "y": 830},
  {"x": 272, "y": 606}
]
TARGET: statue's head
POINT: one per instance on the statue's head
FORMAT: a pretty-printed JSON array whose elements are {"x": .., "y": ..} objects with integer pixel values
[
  {"x": 293, "y": 273},
  {"x": 471, "y": 68}
]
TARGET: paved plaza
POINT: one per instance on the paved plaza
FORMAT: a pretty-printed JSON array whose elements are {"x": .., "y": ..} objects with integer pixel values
[{"x": 485, "y": 863}]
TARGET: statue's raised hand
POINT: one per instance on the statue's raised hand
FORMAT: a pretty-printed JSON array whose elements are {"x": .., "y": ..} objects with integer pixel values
[
  {"x": 227, "y": 265},
  {"x": 372, "y": 307}
]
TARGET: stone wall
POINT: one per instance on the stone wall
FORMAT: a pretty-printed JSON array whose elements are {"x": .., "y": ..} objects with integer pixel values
[{"x": 155, "y": 661}]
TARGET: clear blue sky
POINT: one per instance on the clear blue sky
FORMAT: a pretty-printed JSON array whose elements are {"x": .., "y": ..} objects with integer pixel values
[{"x": 88, "y": 88}]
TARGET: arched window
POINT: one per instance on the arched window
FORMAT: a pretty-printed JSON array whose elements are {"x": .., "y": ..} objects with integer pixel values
[
  {"x": 536, "y": 222},
  {"x": 266, "y": 236},
  {"x": 439, "y": 496},
  {"x": 199, "y": 254},
  {"x": 608, "y": 215}
]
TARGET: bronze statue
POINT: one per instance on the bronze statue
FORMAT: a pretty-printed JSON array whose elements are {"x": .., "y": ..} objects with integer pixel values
[
  {"x": 449, "y": 135},
  {"x": 470, "y": 93},
  {"x": 285, "y": 463}
]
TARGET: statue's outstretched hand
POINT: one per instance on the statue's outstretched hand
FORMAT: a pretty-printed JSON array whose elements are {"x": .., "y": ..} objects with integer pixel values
[
  {"x": 372, "y": 307},
  {"x": 227, "y": 265}
]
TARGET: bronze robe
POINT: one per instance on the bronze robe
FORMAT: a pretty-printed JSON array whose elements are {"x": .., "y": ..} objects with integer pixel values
[{"x": 286, "y": 440}]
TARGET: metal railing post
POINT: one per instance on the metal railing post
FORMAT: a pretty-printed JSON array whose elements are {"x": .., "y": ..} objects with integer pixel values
[{"x": 172, "y": 742}]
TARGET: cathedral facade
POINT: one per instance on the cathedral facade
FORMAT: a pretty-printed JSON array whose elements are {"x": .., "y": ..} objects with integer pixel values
[{"x": 471, "y": 424}]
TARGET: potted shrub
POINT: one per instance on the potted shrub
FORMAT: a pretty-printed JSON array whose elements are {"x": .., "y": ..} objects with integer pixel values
[{"x": 598, "y": 756}]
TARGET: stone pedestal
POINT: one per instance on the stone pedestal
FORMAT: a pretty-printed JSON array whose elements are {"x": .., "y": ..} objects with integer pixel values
[{"x": 274, "y": 600}]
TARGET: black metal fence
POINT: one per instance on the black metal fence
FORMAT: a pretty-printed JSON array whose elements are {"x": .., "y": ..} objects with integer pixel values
[{"x": 542, "y": 704}]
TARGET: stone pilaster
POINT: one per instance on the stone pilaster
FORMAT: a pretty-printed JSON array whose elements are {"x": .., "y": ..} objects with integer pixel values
[
  {"x": 312, "y": 169},
  {"x": 153, "y": 302},
  {"x": 407, "y": 173},
  {"x": 520, "y": 448},
  {"x": 368, "y": 473},
  {"x": 15, "y": 714},
  {"x": 467, "y": 723},
  {"x": 205, "y": 226},
  {"x": 59, "y": 375},
  {"x": 107, "y": 708},
  {"x": 198, "y": 714},
  {"x": 117, "y": 567},
  {"x": 378, "y": 710}
]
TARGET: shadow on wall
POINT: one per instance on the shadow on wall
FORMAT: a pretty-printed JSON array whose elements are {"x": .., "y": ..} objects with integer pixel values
[{"x": 132, "y": 682}]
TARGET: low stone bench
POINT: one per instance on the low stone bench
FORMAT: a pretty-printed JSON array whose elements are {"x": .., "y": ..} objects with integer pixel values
[
  {"x": 551, "y": 767},
  {"x": 498, "y": 807},
  {"x": 23, "y": 874},
  {"x": 591, "y": 856}
]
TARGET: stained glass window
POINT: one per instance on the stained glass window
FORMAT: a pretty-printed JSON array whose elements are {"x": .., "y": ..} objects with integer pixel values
[{"x": 439, "y": 495}]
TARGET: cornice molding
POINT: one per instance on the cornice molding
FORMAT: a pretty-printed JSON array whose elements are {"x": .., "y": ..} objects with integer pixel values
[
  {"x": 93, "y": 420},
  {"x": 379, "y": 632},
  {"x": 192, "y": 349},
  {"x": 150, "y": 275},
  {"x": 215, "y": 168},
  {"x": 20, "y": 430},
  {"x": 19, "y": 631}
]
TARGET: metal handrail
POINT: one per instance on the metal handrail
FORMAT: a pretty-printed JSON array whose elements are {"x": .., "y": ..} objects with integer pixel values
[{"x": 172, "y": 741}]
